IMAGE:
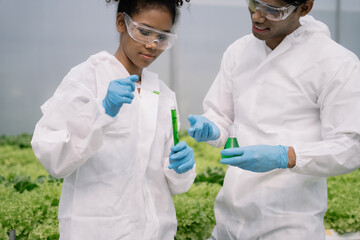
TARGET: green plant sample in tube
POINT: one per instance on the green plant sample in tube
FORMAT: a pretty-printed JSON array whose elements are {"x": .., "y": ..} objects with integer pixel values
[{"x": 174, "y": 125}]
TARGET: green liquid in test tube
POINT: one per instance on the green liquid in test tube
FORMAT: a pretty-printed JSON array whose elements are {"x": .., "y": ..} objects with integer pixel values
[
  {"x": 231, "y": 141},
  {"x": 174, "y": 125}
]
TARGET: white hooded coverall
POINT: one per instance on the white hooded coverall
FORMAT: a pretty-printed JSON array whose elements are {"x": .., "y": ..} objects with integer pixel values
[
  {"x": 305, "y": 93},
  {"x": 117, "y": 184}
]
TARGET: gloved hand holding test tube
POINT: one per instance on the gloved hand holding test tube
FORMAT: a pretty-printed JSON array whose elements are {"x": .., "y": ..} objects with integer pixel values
[{"x": 181, "y": 156}]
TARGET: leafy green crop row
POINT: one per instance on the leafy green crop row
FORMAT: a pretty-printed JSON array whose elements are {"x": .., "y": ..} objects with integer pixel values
[
  {"x": 343, "y": 213},
  {"x": 29, "y": 197},
  {"x": 22, "y": 141},
  {"x": 194, "y": 211},
  {"x": 32, "y": 213}
]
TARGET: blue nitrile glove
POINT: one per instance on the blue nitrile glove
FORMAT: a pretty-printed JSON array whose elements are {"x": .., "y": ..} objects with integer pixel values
[
  {"x": 202, "y": 129},
  {"x": 118, "y": 93},
  {"x": 181, "y": 158},
  {"x": 258, "y": 158}
]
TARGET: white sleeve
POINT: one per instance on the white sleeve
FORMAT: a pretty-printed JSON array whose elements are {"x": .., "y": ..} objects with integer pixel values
[
  {"x": 218, "y": 103},
  {"x": 70, "y": 130},
  {"x": 178, "y": 183},
  {"x": 339, "y": 152}
]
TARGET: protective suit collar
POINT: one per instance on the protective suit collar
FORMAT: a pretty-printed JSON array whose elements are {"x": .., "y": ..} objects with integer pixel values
[{"x": 308, "y": 26}]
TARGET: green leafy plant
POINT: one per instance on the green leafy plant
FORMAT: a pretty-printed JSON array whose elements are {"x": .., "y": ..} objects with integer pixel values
[
  {"x": 343, "y": 214},
  {"x": 24, "y": 183},
  {"x": 30, "y": 210},
  {"x": 194, "y": 211},
  {"x": 15, "y": 161},
  {"x": 211, "y": 175},
  {"x": 22, "y": 141}
]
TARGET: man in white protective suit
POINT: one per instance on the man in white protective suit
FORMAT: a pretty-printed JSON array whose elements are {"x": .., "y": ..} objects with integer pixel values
[{"x": 292, "y": 95}]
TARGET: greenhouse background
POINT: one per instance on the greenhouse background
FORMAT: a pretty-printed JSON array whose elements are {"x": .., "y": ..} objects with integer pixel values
[{"x": 40, "y": 41}]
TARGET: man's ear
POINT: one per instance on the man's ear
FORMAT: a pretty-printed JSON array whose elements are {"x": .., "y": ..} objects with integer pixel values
[
  {"x": 120, "y": 23},
  {"x": 305, "y": 8}
]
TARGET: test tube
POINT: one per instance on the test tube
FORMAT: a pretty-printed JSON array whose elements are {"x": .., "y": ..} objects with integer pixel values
[{"x": 174, "y": 125}]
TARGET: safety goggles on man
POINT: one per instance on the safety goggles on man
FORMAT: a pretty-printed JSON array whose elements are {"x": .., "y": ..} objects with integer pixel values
[
  {"x": 270, "y": 12},
  {"x": 147, "y": 35}
]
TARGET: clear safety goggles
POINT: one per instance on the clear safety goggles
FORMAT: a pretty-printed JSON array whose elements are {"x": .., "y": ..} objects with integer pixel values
[
  {"x": 147, "y": 35},
  {"x": 270, "y": 12}
]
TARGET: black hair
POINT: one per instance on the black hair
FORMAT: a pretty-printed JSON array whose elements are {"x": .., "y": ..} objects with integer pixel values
[
  {"x": 132, "y": 7},
  {"x": 295, "y": 2}
]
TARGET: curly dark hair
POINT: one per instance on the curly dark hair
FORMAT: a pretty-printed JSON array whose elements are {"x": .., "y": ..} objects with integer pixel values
[
  {"x": 295, "y": 2},
  {"x": 132, "y": 7}
]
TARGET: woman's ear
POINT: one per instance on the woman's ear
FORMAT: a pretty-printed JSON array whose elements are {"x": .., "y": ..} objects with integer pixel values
[
  {"x": 120, "y": 23},
  {"x": 305, "y": 8}
]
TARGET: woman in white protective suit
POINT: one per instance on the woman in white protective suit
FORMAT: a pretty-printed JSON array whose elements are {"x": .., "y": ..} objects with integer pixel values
[
  {"x": 107, "y": 131},
  {"x": 293, "y": 96}
]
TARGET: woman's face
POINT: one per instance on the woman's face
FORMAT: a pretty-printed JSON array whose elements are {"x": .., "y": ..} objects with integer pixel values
[{"x": 134, "y": 55}]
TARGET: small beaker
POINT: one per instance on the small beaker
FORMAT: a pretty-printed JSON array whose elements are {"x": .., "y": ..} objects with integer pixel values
[{"x": 231, "y": 141}]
